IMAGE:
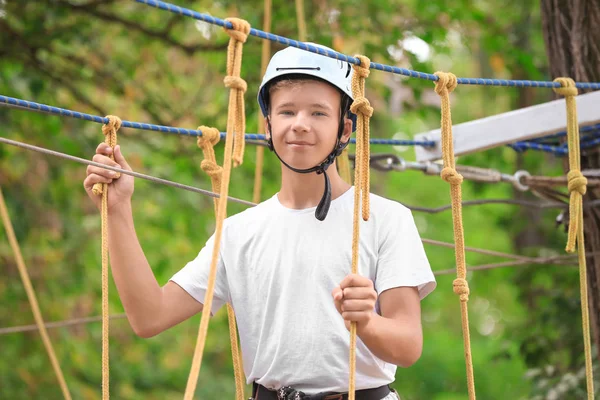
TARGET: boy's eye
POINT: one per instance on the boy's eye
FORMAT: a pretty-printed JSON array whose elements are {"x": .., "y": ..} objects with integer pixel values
[
  {"x": 320, "y": 114},
  {"x": 286, "y": 112}
]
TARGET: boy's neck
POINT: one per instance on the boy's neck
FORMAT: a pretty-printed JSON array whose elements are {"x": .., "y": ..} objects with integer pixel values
[{"x": 300, "y": 191}]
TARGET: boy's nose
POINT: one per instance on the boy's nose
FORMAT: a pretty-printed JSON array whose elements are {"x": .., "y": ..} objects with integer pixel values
[{"x": 300, "y": 123}]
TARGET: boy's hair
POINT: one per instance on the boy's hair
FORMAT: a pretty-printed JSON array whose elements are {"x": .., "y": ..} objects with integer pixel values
[{"x": 295, "y": 80}]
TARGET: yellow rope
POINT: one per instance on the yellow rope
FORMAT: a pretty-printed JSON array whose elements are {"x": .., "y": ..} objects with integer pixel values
[
  {"x": 110, "y": 137},
  {"x": 235, "y": 126},
  {"x": 362, "y": 108},
  {"x": 210, "y": 137},
  {"x": 35, "y": 307},
  {"x": 260, "y": 150},
  {"x": 301, "y": 20},
  {"x": 577, "y": 188},
  {"x": 443, "y": 87},
  {"x": 343, "y": 165}
]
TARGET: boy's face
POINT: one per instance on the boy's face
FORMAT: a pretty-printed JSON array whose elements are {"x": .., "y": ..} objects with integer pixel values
[{"x": 305, "y": 119}]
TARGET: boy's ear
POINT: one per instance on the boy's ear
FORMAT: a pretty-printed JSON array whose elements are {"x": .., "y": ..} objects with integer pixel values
[
  {"x": 267, "y": 126},
  {"x": 347, "y": 133}
]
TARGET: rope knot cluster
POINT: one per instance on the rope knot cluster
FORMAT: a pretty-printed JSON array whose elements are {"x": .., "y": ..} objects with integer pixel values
[
  {"x": 451, "y": 176},
  {"x": 461, "y": 288},
  {"x": 210, "y": 136},
  {"x": 577, "y": 182},
  {"x": 362, "y": 70},
  {"x": 240, "y": 29},
  {"x": 567, "y": 87},
  {"x": 235, "y": 82},
  {"x": 361, "y": 105},
  {"x": 446, "y": 82},
  {"x": 113, "y": 125}
]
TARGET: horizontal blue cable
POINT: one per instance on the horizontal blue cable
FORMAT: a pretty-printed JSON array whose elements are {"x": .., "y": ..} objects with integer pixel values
[
  {"x": 583, "y": 129},
  {"x": 338, "y": 56},
  {"x": 590, "y": 143},
  {"x": 30, "y": 105},
  {"x": 522, "y": 146}
]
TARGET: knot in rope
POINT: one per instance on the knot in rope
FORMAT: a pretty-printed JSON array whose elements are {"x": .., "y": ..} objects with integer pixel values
[
  {"x": 577, "y": 182},
  {"x": 446, "y": 82},
  {"x": 240, "y": 29},
  {"x": 235, "y": 82},
  {"x": 567, "y": 87},
  {"x": 210, "y": 136},
  {"x": 461, "y": 288},
  {"x": 362, "y": 70},
  {"x": 113, "y": 125},
  {"x": 212, "y": 169},
  {"x": 451, "y": 176},
  {"x": 361, "y": 105},
  {"x": 363, "y": 110}
]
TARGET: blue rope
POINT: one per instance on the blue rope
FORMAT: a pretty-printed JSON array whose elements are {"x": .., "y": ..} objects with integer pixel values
[
  {"x": 338, "y": 56},
  {"x": 522, "y": 146},
  {"x": 30, "y": 105},
  {"x": 583, "y": 129}
]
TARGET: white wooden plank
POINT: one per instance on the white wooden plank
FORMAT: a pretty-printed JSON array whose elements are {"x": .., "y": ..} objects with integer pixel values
[{"x": 526, "y": 123}]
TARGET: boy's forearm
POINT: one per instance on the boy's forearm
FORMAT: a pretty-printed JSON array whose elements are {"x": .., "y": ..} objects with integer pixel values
[
  {"x": 138, "y": 289},
  {"x": 391, "y": 340}
]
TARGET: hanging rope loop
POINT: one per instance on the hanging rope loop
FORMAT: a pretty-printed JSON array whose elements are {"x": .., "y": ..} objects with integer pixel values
[
  {"x": 236, "y": 120},
  {"x": 577, "y": 185}
]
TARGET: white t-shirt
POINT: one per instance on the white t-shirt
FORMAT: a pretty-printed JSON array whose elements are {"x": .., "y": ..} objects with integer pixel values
[{"x": 278, "y": 267}]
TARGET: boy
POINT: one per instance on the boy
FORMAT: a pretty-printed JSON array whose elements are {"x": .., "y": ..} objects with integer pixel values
[{"x": 284, "y": 264}]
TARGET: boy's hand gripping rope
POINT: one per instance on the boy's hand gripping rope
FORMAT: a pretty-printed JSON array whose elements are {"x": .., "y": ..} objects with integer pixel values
[
  {"x": 443, "y": 87},
  {"x": 577, "y": 188},
  {"x": 364, "y": 111},
  {"x": 210, "y": 137},
  {"x": 35, "y": 307},
  {"x": 110, "y": 137},
  {"x": 235, "y": 126}
]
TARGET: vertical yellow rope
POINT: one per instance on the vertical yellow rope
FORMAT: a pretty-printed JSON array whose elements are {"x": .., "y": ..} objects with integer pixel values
[
  {"x": 301, "y": 20},
  {"x": 236, "y": 122},
  {"x": 577, "y": 188},
  {"x": 110, "y": 137},
  {"x": 210, "y": 137},
  {"x": 35, "y": 307},
  {"x": 260, "y": 150},
  {"x": 443, "y": 87},
  {"x": 362, "y": 108}
]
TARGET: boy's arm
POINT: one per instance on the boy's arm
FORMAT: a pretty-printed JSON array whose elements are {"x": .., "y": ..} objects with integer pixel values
[
  {"x": 396, "y": 335},
  {"x": 150, "y": 309}
]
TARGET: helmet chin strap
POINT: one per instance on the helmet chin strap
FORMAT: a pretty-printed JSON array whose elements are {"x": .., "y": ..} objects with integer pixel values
[{"x": 325, "y": 203}]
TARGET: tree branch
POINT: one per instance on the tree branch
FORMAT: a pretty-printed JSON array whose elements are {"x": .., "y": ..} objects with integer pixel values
[{"x": 162, "y": 35}]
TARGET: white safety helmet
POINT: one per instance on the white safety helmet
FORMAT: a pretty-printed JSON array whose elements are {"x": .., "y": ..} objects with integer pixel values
[{"x": 292, "y": 60}]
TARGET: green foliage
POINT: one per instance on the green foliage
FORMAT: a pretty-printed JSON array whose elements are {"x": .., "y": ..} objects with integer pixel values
[{"x": 146, "y": 65}]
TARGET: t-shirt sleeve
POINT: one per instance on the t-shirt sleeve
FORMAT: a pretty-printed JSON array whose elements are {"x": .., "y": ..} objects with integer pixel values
[
  {"x": 193, "y": 278},
  {"x": 402, "y": 260}
]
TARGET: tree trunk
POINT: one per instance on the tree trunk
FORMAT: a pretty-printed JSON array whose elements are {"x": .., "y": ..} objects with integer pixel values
[{"x": 572, "y": 40}]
